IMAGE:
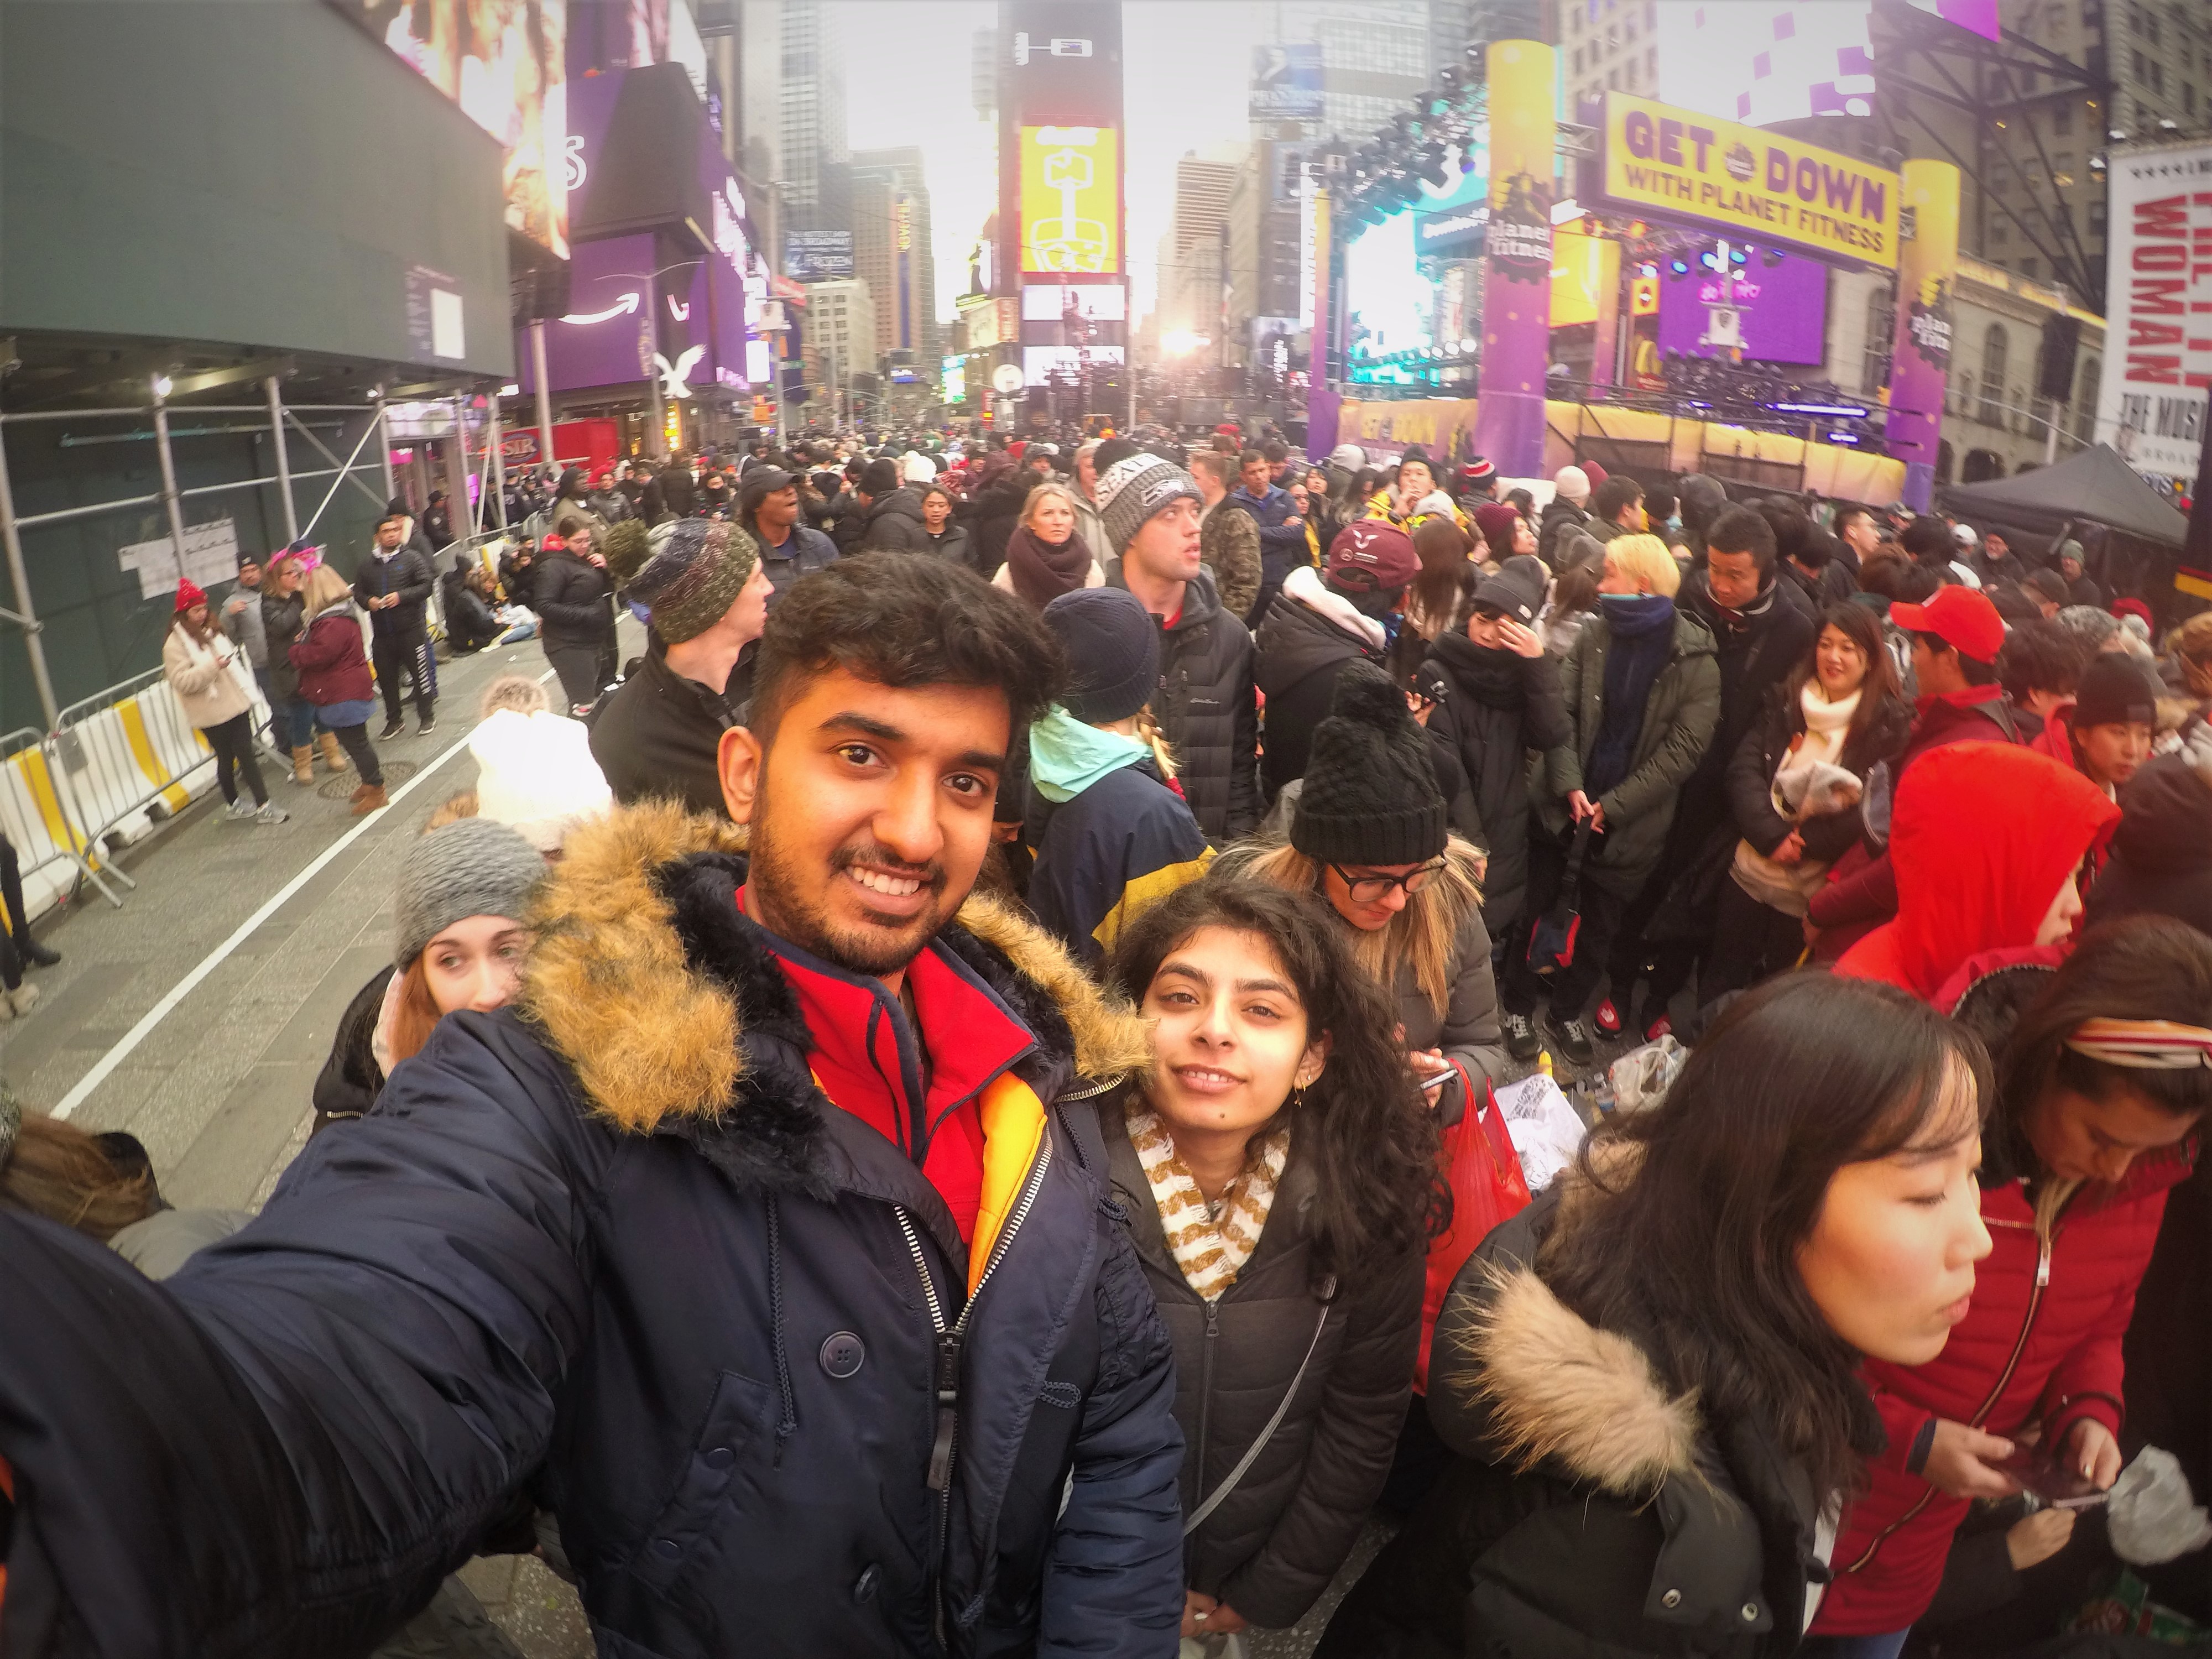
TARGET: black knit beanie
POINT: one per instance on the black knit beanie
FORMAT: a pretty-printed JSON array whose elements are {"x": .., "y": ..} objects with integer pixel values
[{"x": 1371, "y": 794}]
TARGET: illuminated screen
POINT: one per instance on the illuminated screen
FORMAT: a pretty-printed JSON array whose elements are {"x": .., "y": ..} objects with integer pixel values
[
  {"x": 1393, "y": 307},
  {"x": 504, "y": 65},
  {"x": 1038, "y": 361},
  {"x": 1097, "y": 302},
  {"x": 1979, "y": 16},
  {"x": 1763, "y": 61},
  {"x": 1783, "y": 309},
  {"x": 1071, "y": 199},
  {"x": 953, "y": 380}
]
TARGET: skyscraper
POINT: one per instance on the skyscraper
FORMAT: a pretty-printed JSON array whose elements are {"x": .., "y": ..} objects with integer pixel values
[
  {"x": 893, "y": 249},
  {"x": 811, "y": 142},
  {"x": 1190, "y": 253}
]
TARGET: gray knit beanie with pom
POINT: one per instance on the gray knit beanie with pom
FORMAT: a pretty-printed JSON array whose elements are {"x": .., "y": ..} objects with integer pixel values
[{"x": 470, "y": 867}]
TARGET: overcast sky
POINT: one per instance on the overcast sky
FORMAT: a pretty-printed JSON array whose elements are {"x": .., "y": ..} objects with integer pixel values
[{"x": 907, "y": 82}]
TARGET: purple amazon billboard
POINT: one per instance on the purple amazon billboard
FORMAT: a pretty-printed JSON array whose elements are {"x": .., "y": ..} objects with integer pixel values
[
  {"x": 649, "y": 181},
  {"x": 1782, "y": 309}
]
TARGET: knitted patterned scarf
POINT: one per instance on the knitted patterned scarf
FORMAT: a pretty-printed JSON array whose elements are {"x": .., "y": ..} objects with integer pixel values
[{"x": 1210, "y": 1243}]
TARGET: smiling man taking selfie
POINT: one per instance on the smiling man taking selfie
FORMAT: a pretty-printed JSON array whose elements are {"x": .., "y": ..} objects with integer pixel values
[{"x": 753, "y": 1244}]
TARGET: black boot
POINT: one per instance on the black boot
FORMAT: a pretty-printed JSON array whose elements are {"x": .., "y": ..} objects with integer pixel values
[{"x": 37, "y": 954}]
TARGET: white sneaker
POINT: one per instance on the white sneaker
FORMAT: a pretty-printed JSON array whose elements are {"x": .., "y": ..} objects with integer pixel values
[
  {"x": 271, "y": 813},
  {"x": 239, "y": 811},
  {"x": 22, "y": 998}
]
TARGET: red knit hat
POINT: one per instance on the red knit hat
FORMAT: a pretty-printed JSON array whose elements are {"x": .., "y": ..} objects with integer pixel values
[{"x": 188, "y": 595}]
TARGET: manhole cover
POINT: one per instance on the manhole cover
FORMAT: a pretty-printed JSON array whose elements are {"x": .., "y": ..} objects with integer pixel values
[{"x": 396, "y": 772}]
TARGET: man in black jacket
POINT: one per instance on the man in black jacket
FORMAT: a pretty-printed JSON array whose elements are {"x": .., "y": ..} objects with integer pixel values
[
  {"x": 660, "y": 735},
  {"x": 761, "y": 1244},
  {"x": 392, "y": 586},
  {"x": 892, "y": 513},
  {"x": 1764, "y": 627},
  {"x": 1207, "y": 705}
]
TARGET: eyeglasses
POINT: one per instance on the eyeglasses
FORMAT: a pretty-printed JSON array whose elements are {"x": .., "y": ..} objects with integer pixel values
[{"x": 1371, "y": 888}]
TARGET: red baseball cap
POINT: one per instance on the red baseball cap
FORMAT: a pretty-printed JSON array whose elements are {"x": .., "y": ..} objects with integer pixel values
[
  {"x": 1963, "y": 619},
  {"x": 1372, "y": 556}
]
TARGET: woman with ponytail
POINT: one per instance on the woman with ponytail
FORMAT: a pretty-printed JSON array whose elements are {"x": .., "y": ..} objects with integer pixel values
[
  {"x": 2101, "y": 1083},
  {"x": 1112, "y": 832}
]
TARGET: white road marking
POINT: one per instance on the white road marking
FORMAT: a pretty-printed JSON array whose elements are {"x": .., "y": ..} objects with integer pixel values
[{"x": 183, "y": 988}]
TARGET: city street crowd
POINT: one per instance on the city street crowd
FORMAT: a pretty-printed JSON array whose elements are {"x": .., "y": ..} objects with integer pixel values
[{"x": 963, "y": 1101}]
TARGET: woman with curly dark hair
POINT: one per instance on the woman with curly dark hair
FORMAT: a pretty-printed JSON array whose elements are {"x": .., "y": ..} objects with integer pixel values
[{"x": 1278, "y": 1170}]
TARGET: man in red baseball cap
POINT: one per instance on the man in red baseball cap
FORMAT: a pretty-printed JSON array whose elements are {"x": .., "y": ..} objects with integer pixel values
[{"x": 1956, "y": 637}]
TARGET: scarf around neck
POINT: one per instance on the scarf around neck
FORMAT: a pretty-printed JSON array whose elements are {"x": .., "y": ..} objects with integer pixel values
[
  {"x": 1041, "y": 572},
  {"x": 1210, "y": 1243},
  {"x": 1068, "y": 755}
]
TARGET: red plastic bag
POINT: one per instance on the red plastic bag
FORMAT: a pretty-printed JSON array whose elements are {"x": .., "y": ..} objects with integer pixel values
[{"x": 1484, "y": 1173}]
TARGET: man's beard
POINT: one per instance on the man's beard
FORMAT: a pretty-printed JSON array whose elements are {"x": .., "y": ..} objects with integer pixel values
[{"x": 773, "y": 876}]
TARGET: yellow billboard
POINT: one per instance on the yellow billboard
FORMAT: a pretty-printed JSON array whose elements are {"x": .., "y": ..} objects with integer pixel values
[
  {"x": 1584, "y": 271},
  {"x": 1071, "y": 200},
  {"x": 1682, "y": 165}
]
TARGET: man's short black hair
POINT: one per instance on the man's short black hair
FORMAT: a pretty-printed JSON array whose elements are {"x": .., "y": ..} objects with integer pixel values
[
  {"x": 1789, "y": 524},
  {"x": 2039, "y": 656},
  {"x": 904, "y": 622},
  {"x": 1250, "y": 457},
  {"x": 1919, "y": 584},
  {"x": 879, "y": 478},
  {"x": 1740, "y": 530},
  {"x": 1846, "y": 515},
  {"x": 1929, "y": 539},
  {"x": 1819, "y": 550},
  {"x": 1610, "y": 497},
  {"x": 1658, "y": 504},
  {"x": 1274, "y": 453},
  {"x": 392, "y": 518}
]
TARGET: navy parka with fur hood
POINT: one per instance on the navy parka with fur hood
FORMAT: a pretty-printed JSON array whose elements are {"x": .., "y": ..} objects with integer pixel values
[{"x": 615, "y": 1251}]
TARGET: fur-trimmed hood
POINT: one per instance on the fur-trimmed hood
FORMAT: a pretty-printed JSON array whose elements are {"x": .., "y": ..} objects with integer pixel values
[
  {"x": 1551, "y": 1388},
  {"x": 642, "y": 979}
]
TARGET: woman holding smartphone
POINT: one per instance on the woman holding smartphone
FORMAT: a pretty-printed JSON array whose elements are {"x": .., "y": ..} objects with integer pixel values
[
  {"x": 2101, "y": 1083},
  {"x": 1368, "y": 833}
]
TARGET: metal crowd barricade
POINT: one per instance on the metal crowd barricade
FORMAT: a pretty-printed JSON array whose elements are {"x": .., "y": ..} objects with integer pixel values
[
  {"x": 128, "y": 758},
  {"x": 35, "y": 817}
]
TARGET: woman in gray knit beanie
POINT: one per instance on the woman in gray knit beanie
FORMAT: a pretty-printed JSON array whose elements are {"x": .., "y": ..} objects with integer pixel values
[{"x": 459, "y": 939}]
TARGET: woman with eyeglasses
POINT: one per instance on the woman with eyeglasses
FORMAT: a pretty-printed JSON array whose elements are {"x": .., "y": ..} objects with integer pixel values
[{"x": 1368, "y": 832}]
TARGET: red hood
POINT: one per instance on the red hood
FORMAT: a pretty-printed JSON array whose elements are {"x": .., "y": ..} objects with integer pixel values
[{"x": 1983, "y": 835}]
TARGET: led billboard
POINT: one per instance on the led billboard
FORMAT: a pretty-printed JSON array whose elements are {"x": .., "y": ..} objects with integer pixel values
[
  {"x": 818, "y": 256},
  {"x": 1979, "y": 16},
  {"x": 1763, "y": 61},
  {"x": 1071, "y": 197},
  {"x": 1286, "y": 83},
  {"x": 1669, "y": 161},
  {"x": 506, "y": 66},
  {"x": 1782, "y": 309}
]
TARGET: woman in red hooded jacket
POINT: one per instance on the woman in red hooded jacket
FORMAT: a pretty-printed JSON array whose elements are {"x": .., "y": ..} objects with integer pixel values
[
  {"x": 2100, "y": 1086},
  {"x": 1986, "y": 840}
]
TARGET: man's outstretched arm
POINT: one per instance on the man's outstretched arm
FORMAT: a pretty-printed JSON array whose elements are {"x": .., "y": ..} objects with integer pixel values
[{"x": 283, "y": 1449}]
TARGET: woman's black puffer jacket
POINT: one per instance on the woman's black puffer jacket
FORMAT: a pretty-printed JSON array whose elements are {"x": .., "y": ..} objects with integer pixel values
[
  {"x": 1274, "y": 1543},
  {"x": 571, "y": 595}
]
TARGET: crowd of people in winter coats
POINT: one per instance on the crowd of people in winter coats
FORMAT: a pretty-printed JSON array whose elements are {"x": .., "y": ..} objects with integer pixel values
[{"x": 932, "y": 1120}]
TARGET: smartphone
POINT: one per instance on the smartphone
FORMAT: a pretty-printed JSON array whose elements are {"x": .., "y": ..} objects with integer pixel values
[{"x": 2060, "y": 1487}]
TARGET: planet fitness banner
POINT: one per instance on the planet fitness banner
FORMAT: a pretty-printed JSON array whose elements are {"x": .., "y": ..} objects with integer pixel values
[
  {"x": 1516, "y": 291},
  {"x": 1920, "y": 355}
]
